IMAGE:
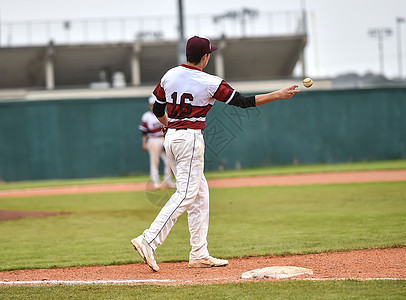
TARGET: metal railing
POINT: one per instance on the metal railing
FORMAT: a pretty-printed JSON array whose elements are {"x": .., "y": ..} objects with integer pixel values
[{"x": 233, "y": 24}]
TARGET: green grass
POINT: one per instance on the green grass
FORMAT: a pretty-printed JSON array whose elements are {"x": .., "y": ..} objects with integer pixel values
[
  {"x": 292, "y": 169},
  {"x": 243, "y": 221},
  {"x": 68, "y": 182},
  {"x": 275, "y": 170},
  {"x": 349, "y": 289}
]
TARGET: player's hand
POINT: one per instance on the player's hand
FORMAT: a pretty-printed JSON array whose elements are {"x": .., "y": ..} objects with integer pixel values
[
  {"x": 288, "y": 92},
  {"x": 145, "y": 147},
  {"x": 164, "y": 130}
]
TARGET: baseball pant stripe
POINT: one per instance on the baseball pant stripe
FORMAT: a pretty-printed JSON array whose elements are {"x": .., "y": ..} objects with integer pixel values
[{"x": 186, "y": 191}]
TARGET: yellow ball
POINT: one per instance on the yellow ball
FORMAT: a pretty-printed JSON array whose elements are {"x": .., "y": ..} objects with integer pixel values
[{"x": 307, "y": 82}]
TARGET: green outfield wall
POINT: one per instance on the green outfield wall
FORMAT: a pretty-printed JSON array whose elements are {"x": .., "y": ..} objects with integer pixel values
[{"x": 85, "y": 138}]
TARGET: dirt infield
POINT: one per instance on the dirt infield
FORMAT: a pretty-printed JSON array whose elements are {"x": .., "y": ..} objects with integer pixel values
[
  {"x": 21, "y": 214},
  {"x": 291, "y": 179},
  {"x": 359, "y": 264}
]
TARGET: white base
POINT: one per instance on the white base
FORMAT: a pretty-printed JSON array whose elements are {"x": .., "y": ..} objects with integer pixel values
[{"x": 276, "y": 272}]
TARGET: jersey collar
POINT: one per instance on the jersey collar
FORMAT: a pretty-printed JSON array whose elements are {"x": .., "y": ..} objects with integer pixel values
[{"x": 190, "y": 67}]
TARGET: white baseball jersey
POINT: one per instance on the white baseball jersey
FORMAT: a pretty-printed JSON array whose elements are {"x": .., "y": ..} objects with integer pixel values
[
  {"x": 189, "y": 94},
  {"x": 150, "y": 125}
]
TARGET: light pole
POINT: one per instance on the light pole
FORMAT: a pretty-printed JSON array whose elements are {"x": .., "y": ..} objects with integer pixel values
[
  {"x": 304, "y": 21},
  {"x": 66, "y": 26},
  {"x": 241, "y": 15},
  {"x": 0, "y": 27},
  {"x": 380, "y": 34},
  {"x": 181, "y": 41},
  {"x": 399, "y": 21}
]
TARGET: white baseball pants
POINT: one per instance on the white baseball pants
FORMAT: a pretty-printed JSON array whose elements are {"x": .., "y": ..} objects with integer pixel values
[
  {"x": 156, "y": 151},
  {"x": 185, "y": 152}
]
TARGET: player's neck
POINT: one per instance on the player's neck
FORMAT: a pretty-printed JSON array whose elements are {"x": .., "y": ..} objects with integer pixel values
[
  {"x": 202, "y": 64},
  {"x": 199, "y": 66}
]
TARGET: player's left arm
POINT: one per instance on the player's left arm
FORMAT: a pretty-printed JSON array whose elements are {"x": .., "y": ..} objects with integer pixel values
[
  {"x": 163, "y": 120},
  {"x": 144, "y": 142},
  {"x": 160, "y": 113},
  {"x": 160, "y": 105}
]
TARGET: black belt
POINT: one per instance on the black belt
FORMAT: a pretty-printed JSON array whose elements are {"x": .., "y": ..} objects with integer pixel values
[{"x": 187, "y": 129}]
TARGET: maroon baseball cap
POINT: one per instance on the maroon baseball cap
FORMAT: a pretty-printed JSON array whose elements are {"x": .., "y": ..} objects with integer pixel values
[{"x": 198, "y": 46}]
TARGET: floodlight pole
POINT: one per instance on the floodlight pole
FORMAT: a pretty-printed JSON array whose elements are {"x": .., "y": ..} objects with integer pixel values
[
  {"x": 399, "y": 42},
  {"x": 380, "y": 47},
  {"x": 304, "y": 30},
  {"x": 182, "y": 41},
  {"x": 380, "y": 34},
  {"x": 303, "y": 9},
  {"x": 0, "y": 27}
]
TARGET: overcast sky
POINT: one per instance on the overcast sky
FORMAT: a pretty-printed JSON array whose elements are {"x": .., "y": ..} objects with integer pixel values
[{"x": 337, "y": 30}]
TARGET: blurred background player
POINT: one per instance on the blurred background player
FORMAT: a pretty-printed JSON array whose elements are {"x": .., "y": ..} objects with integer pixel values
[{"x": 153, "y": 143}]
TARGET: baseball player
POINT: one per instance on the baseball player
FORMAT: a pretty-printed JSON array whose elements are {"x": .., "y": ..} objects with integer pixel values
[
  {"x": 188, "y": 94},
  {"x": 153, "y": 142}
]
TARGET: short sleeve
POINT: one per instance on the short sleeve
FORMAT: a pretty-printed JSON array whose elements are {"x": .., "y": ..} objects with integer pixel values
[
  {"x": 159, "y": 93},
  {"x": 224, "y": 92}
]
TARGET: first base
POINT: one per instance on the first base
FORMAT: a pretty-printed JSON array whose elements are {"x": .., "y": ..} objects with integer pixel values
[{"x": 276, "y": 272}]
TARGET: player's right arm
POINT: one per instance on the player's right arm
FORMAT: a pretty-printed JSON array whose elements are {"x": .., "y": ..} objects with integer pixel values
[
  {"x": 285, "y": 93},
  {"x": 227, "y": 94}
]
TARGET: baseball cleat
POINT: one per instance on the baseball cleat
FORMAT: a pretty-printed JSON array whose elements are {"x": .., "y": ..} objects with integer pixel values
[
  {"x": 146, "y": 252},
  {"x": 170, "y": 184},
  {"x": 207, "y": 262}
]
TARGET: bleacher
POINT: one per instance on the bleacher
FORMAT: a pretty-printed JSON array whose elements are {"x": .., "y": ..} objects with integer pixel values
[{"x": 78, "y": 66}]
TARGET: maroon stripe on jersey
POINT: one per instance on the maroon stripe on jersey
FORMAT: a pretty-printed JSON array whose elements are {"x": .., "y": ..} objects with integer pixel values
[
  {"x": 159, "y": 92},
  {"x": 190, "y": 67},
  {"x": 158, "y": 129},
  {"x": 143, "y": 127},
  {"x": 170, "y": 107},
  {"x": 195, "y": 112},
  {"x": 223, "y": 92},
  {"x": 200, "y": 111},
  {"x": 187, "y": 124}
]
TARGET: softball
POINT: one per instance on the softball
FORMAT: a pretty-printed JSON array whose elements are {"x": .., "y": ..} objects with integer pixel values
[{"x": 307, "y": 82}]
